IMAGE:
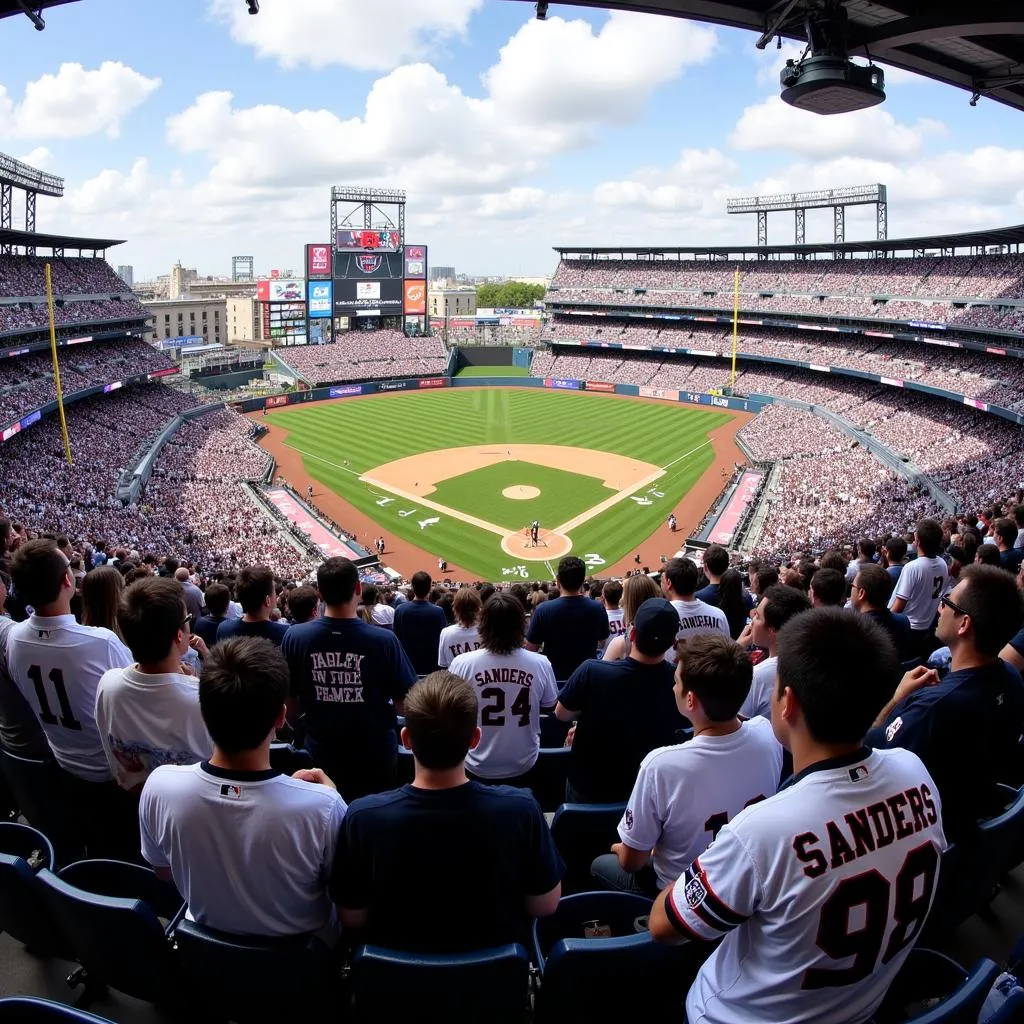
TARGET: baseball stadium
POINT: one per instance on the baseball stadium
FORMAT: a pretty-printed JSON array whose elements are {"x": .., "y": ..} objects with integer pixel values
[{"x": 687, "y": 600}]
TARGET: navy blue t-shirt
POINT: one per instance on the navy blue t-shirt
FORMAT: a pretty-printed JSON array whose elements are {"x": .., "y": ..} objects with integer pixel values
[
  {"x": 570, "y": 630},
  {"x": 445, "y": 870},
  {"x": 897, "y": 625},
  {"x": 1017, "y": 643},
  {"x": 272, "y": 631},
  {"x": 345, "y": 674},
  {"x": 1010, "y": 560},
  {"x": 418, "y": 626},
  {"x": 626, "y": 709},
  {"x": 965, "y": 729},
  {"x": 206, "y": 626}
]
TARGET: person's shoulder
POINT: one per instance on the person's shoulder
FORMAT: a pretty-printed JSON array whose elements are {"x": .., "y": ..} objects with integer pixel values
[
  {"x": 508, "y": 800},
  {"x": 228, "y": 627},
  {"x": 309, "y": 793},
  {"x": 112, "y": 679},
  {"x": 169, "y": 779},
  {"x": 759, "y": 727},
  {"x": 376, "y": 806},
  {"x": 668, "y": 759}
]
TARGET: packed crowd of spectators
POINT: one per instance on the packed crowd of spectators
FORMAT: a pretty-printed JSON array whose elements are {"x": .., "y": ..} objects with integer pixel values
[
  {"x": 367, "y": 355},
  {"x": 25, "y": 316},
  {"x": 25, "y": 277},
  {"x": 27, "y": 382}
]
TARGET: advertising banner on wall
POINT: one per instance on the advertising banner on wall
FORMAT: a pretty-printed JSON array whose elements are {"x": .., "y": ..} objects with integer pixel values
[
  {"x": 370, "y": 297},
  {"x": 564, "y": 385},
  {"x": 280, "y": 291},
  {"x": 415, "y": 298},
  {"x": 434, "y": 382},
  {"x": 600, "y": 385},
  {"x": 415, "y": 262},
  {"x": 275, "y": 400},
  {"x": 318, "y": 259},
  {"x": 347, "y": 391},
  {"x": 321, "y": 298},
  {"x": 669, "y": 394}
]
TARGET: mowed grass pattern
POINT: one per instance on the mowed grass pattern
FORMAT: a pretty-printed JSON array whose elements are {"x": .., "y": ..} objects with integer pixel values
[
  {"x": 562, "y": 495},
  {"x": 378, "y": 429},
  {"x": 493, "y": 371}
]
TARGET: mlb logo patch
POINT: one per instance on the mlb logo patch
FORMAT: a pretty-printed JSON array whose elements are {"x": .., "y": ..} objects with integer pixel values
[
  {"x": 231, "y": 792},
  {"x": 892, "y": 728},
  {"x": 368, "y": 263},
  {"x": 695, "y": 892},
  {"x": 859, "y": 772}
]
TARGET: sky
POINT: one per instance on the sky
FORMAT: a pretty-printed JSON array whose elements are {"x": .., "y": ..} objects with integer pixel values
[{"x": 197, "y": 132}]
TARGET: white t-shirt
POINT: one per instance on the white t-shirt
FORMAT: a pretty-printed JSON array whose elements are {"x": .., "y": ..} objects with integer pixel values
[
  {"x": 57, "y": 665},
  {"x": 511, "y": 689},
  {"x": 145, "y": 721},
  {"x": 616, "y": 627},
  {"x": 920, "y": 585},
  {"x": 251, "y": 852},
  {"x": 684, "y": 794},
  {"x": 851, "y": 847},
  {"x": 456, "y": 640},
  {"x": 759, "y": 699},
  {"x": 697, "y": 618},
  {"x": 383, "y": 615}
]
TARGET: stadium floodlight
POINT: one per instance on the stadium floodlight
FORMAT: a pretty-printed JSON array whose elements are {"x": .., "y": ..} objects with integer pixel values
[
  {"x": 34, "y": 16},
  {"x": 253, "y": 5},
  {"x": 542, "y": 10}
]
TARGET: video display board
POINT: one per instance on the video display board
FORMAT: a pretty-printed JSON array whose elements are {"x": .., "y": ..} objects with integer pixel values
[{"x": 354, "y": 297}]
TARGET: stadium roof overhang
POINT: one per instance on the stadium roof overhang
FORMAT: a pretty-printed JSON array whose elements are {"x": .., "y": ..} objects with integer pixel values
[
  {"x": 9, "y": 8},
  {"x": 1012, "y": 236},
  {"x": 38, "y": 240},
  {"x": 978, "y": 47}
]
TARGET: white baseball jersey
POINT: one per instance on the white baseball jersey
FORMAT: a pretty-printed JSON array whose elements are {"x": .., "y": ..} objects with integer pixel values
[
  {"x": 820, "y": 891},
  {"x": 251, "y": 852},
  {"x": 57, "y": 665},
  {"x": 616, "y": 627},
  {"x": 145, "y": 721},
  {"x": 511, "y": 689},
  {"x": 456, "y": 640},
  {"x": 684, "y": 794},
  {"x": 920, "y": 585},
  {"x": 697, "y": 618},
  {"x": 759, "y": 699}
]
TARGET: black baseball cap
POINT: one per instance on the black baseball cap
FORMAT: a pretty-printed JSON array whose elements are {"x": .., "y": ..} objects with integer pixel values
[{"x": 656, "y": 625}]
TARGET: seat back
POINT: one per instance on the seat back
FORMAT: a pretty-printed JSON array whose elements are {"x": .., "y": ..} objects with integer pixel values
[
  {"x": 23, "y": 1010},
  {"x": 39, "y": 792},
  {"x": 119, "y": 940},
  {"x": 23, "y": 912},
  {"x": 460, "y": 988},
  {"x": 547, "y": 777},
  {"x": 621, "y": 912},
  {"x": 581, "y": 833},
  {"x": 963, "y": 1005},
  {"x": 248, "y": 979}
]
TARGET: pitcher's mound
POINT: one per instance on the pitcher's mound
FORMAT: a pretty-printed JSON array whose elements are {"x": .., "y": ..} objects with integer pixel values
[
  {"x": 521, "y": 492},
  {"x": 550, "y": 546}
]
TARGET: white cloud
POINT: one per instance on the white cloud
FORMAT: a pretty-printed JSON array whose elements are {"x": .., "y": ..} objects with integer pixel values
[
  {"x": 772, "y": 124},
  {"x": 76, "y": 102},
  {"x": 40, "y": 157},
  {"x": 369, "y": 35}
]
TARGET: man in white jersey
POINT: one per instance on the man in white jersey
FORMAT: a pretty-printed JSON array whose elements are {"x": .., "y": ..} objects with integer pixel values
[
  {"x": 463, "y": 635},
  {"x": 251, "y": 850},
  {"x": 685, "y": 793},
  {"x": 679, "y": 580},
  {"x": 920, "y": 585},
  {"x": 610, "y": 595},
  {"x": 57, "y": 665},
  {"x": 778, "y": 605},
  {"x": 821, "y": 890},
  {"x": 513, "y": 686}
]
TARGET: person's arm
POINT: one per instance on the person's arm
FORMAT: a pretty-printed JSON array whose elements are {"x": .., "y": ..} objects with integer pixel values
[
  {"x": 563, "y": 714},
  {"x": 353, "y": 920},
  {"x": 572, "y": 696},
  {"x": 629, "y": 859},
  {"x": 351, "y": 878},
  {"x": 641, "y": 825},
  {"x": 1013, "y": 657},
  {"x": 911, "y": 681},
  {"x": 403, "y": 675},
  {"x": 545, "y": 904},
  {"x": 152, "y": 854},
  {"x": 897, "y": 604},
  {"x": 535, "y": 632},
  {"x": 542, "y": 866},
  {"x": 902, "y": 591},
  {"x": 615, "y": 649}
]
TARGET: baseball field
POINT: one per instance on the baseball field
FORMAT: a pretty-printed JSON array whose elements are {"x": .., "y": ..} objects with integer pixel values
[{"x": 462, "y": 473}]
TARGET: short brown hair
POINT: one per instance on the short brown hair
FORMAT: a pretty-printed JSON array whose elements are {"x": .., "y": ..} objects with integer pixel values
[
  {"x": 217, "y": 598},
  {"x": 151, "y": 612},
  {"x": 466, "y": 606},
  {"x": 255, "y": 585},
  {"x": 302, "y": 602},
  {"x": 718, "y": 671},
  {"x": 441, "y": 715},
  {"x": 38, "y": 569}
]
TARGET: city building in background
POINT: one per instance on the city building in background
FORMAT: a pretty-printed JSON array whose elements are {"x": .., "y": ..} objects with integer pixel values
[
  {"x": 243, "y": 319},
  {"x": 127, "y": 274},
  {"x": 181, "y": 277},
  {"x": 442, "y": 274},
  {"x": 449, "y": 302},
  {"x": 188, "y": 318}
]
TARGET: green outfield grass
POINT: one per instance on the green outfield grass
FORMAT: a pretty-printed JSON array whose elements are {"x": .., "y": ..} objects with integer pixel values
[
  {"x": 493, "y": 371},
  {"x": 369, "y": 432}
]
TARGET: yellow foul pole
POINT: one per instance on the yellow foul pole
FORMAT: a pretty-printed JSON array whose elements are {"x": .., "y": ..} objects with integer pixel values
[
  {"x": 735, "y": 324},
  {"x": 56, "y": 366}
]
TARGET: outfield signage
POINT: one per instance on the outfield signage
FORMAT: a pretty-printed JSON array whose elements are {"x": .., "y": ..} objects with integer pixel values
[
  {"x": 396, "y": 385},
  {"x": 669, "y": 394},
  {"x": 346, "y": 392},
  {"x": 600, "y": 385},
  {"x": 434, "y": 382},
  {"x": 275, "y": 400},
  {"x": 558, "y": 382}
]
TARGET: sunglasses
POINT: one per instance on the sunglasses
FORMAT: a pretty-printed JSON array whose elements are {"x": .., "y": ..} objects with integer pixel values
[
  {"x": 951, "y": 604},
  {"x": 188, "y": 620}
]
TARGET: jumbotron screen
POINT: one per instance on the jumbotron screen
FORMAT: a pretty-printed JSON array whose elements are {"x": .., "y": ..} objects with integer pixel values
[
  {"x": 357, "y": 238},
  {"x": 368, "y": 266}
]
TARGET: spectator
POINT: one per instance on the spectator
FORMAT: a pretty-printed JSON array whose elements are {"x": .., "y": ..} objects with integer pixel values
[
  {"x": 716, "y": 564},
  {"x": 217, "y": 598},
  {"x": 571, "y": 628},
  {"x": 463, "y": 635},
  {"x": 258, "y": 597},
  {"x": 610, "y": 597},
  {"x": 920, "y": 585},
  {"x": 624, "y": 709},
  {"x": 685, "y": 793},
  {"x": 148, "y": 714},
  {"x": 57, "y": 664},
  {"x": 679, "y": 581},
  {"x": 515, "y": 684},
  {"x": 734, "y": 600},
  {"x": 865, "y": 556},
  {"x": 635, "y": 590},
  {"x": 778, "y": 605},
  {"x": 251, "y": 850},
  {"x": 348, "y": 680},
  {"x": 977, "y": 709},
  {"x": 101, "y": 595},
  {"x": 1005, "y": 532},
  {"x": 418, "y": 625},
  {"x": 193, "y": 595},
  {"x": 302, "y": 605},
  {"x": 833, "y": 673},
  {"x": 828, "y": 588},
  {"x": 444, "y": 903},
  {"x": 894, "y": 554},
  {"x": 1018, "y": 518},
  {"x": 872, "y": 587}
]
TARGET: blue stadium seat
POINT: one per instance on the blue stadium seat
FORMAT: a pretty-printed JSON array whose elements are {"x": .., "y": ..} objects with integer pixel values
[
  {"x": 460, "y": 988},
  {"x": 110, "y": 912},
  {"x": 249, "y": 979},
  {"x": 288, "y": 759},
  {"x": 1011, "y": 1012},
  {"x": 626, "y": 974},
  {"x": 581, "y": 833},
  {"x": 22, "y": 1010},
  {"x": 37, "y": 788},
  {"x": 927, "y": 975},
  {"x": 547, "y": 777},
  {"x": 23, "y": 911}
]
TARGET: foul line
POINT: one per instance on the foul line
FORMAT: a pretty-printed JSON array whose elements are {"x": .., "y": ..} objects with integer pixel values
[
  {"x": 692, "y": 451},
  {"x": 310, "y": 455}
]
